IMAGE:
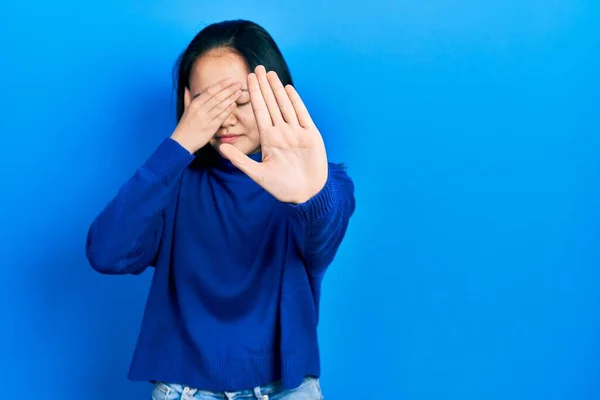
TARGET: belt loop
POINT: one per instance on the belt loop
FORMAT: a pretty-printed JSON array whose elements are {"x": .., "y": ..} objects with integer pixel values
[
  {"x": 188, "y": 393},
  {"x": 229, "y": 395}
]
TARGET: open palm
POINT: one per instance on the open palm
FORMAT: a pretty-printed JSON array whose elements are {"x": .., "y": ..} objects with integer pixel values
[{"x": 294, "y": 160}]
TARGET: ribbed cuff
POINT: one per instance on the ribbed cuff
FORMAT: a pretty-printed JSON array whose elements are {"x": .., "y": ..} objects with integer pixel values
[
  {"x": 317, "y": 206},
  {"x": 168, "y": 160}
]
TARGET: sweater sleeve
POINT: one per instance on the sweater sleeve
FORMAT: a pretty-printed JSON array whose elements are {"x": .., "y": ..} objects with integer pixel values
[
  {"x": 124, "y": 237},
  {"x": 323, "y": 219}
]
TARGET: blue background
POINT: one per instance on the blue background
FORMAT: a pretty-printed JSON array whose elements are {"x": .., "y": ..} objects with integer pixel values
[{"x": 471, "y": 128}]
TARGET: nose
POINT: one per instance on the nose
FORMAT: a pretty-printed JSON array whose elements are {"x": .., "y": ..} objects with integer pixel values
[{"x": 230, "y": 120}]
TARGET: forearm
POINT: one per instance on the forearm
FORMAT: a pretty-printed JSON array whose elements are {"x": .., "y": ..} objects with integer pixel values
[
  {"x": 125, "y": 236},
  {"x": 323, "y": 220}
]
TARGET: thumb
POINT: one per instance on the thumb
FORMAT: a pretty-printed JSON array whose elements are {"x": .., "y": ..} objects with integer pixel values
[{"x": 244, "y": 163}]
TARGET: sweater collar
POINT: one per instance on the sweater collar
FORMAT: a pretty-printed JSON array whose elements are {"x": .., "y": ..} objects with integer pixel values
[{"x": 226, "y": 165}]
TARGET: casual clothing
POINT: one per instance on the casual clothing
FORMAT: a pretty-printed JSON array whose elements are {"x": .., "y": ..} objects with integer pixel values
[
  {"x": 234, "y": 300},
  {"x": 309, "y": 389}
]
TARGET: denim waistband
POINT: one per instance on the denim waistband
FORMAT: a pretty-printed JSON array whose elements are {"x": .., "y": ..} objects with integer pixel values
[{"x": 259, "y": 392}]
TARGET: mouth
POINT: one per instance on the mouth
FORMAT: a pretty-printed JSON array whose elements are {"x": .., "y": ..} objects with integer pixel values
[{"x": 227, "y": 138}]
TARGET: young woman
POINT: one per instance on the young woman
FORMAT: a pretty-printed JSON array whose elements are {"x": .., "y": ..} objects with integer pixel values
[{"x": 240, "y": 213}]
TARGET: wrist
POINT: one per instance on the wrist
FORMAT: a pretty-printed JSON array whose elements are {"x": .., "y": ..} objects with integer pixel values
[
  {"x": 304, "y": 197},
  {"x": 317, "y": 205},
  {"x": 309, "y": 193},
  {"x": 183, "y": 143}
]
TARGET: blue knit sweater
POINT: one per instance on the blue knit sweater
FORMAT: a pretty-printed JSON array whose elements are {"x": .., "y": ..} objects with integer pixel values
[{"x": 234, "y": 300}]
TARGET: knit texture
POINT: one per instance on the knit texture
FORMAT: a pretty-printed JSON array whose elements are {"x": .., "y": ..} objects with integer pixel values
[{"x": 234, "y": 300}]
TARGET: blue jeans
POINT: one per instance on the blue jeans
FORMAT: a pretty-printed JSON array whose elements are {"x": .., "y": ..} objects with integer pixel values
[{"x": 309, "y": 389}]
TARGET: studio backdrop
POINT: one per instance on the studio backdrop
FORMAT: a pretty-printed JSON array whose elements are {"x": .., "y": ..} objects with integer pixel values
[{"x": 471, "y": 267}]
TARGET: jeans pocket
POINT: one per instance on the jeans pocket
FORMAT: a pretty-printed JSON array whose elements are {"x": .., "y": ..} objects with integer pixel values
[{"x": 309, "y": 389}]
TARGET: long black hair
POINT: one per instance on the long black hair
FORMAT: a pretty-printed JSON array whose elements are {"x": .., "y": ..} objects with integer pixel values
[{"x": 248, "y": 39}]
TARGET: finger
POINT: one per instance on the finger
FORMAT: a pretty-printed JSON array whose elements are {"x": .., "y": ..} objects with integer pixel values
[
  {"x": 222, "y": 116},
  {"x": 285, "y": 105},
  {"x": 212, "y": 90},
  {"x": 242, "y": 162},
  {"x": 224, "y": 104},
  {"x": 261, "y": 113},
  {"x": 187, "y": 98},
  {"x": 223, "y": 95},
  {"x": 268, "y": 95},
  {"x": 303, "y": 115}
]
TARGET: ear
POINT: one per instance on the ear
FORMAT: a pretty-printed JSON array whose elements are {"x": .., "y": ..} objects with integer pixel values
[{"x": 187, "y": 98}]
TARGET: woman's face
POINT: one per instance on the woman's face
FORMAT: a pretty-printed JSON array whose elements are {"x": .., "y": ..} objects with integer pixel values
[{"x": 239, "y": 129}]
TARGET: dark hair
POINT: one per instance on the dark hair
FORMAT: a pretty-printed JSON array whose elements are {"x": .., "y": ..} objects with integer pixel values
[{"x": 248, "y": 39}]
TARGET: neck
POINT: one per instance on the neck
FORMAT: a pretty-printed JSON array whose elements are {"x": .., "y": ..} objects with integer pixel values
[
  {"x": 209, "y": 157},
  {"x": 226, "y": 165}
]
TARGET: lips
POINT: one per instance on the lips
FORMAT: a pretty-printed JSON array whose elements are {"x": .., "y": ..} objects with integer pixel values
[{"x": 227, "y": 138}]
